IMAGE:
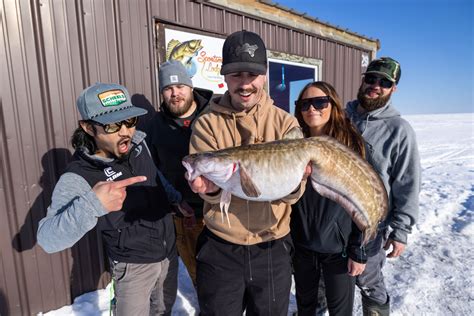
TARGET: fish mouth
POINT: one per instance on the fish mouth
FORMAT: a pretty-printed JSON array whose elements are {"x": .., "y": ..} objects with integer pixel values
[{"x": 189, "y": 170}]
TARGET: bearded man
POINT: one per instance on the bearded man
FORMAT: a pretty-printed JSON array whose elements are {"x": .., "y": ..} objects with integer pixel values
[
  {"x": 392, "y": 150},
  {"x": 168, "y": 135}
]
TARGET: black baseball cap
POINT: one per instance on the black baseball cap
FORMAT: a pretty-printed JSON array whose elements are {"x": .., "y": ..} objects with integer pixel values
[{"x": 244, "y": 51}]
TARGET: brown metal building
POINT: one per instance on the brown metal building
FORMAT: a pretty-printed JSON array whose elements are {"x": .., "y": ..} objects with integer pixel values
[{"x": 52, "y": 49}]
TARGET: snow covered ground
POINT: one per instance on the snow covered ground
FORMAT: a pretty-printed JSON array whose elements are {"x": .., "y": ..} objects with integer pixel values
[{"x": 435, "y": 275}]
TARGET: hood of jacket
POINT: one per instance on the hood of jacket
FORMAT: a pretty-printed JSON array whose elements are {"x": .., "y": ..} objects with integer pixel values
[{"x": 384, "y": 113}]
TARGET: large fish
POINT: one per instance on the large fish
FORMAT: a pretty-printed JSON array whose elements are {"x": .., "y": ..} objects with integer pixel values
[{"x": 270, "y": 171}]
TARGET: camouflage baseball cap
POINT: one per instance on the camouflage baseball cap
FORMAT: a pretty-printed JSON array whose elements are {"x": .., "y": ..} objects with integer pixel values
[{"x": 387, "y": 67}]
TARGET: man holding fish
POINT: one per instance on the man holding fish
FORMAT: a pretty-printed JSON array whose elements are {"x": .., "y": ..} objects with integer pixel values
[{"x": 244, "y": 258}]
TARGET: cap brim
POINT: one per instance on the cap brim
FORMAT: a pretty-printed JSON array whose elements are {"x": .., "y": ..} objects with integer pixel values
[
  {"x": 254, "y": 68},
  {"x": 380, "y": 73},
  {"x": 120, "y": 115}
]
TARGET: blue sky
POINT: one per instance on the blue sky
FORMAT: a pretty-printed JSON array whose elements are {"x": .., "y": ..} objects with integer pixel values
[{"x": 432, "y": 40}]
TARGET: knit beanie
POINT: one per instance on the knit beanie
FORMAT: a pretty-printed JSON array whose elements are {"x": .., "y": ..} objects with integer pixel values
[{"x": 173, "y": 72}]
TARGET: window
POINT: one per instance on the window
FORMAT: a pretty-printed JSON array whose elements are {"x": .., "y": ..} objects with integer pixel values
[{"x": 287, "y": 78}]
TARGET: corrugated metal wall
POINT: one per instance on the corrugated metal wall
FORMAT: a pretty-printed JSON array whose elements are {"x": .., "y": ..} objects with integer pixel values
[{"x": 50, "y": 50}]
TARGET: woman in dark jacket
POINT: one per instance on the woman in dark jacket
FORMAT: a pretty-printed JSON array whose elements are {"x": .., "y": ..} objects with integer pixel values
[{"x": 323, "y": 233}]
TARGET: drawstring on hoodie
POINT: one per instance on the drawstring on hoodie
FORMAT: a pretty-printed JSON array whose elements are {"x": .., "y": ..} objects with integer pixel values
[{"x": 234, "y": 120}]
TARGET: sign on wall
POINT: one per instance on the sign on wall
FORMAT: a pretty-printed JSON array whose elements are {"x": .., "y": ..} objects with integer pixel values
[{"x": 201, "y": 56}]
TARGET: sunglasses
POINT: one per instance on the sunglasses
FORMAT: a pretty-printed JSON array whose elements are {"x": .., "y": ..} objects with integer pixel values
[
  {"x": 383, "y": 82},
  {"x": 318, "y": 103},
  {"x": 115, "y": 127}
]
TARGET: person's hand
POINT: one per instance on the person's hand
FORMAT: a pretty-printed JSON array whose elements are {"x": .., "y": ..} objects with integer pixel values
[
  {"x": 112, "y": 193},
  {"x": 185, "y": 209},
  {"x": 355, "y": 268},
  {"x": 307, "y": 171},
  {"x": 397, "y": 248},
  {"x": 189, "y": 220},
  {"x": 203, "y": 185}
]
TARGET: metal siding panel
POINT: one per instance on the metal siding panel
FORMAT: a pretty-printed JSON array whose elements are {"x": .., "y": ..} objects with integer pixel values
[
  {"x": 213, "y": 19},
  {"x": 282, "y": 35},
  {"x": 339, "y": 69},
  {"x": 251, "y": 24},
  {"x": 232, "y": 22},
  {"x": 21, "y": 145},
  {"x": 347, "y": 75},
  {"x": 297, "y": 43},
  {"x": 100, "y": 41},
  {"x": 164, "y": 9},
  {"x": 189, "y": 13},
  {"x": 329, "y": 70},
  {"x": 135, "y": 48},
  {"x": 309, "y": 46},
  {"x": 269, "y": 34}
]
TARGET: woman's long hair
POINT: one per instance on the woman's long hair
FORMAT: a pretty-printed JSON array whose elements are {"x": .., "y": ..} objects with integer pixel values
[
  {"x": 338, "y": 126},
  {"x": 81, "y": 139}
]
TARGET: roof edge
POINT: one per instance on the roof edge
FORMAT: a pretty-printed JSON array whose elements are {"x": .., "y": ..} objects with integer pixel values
[{"x": 301, "y": 21}]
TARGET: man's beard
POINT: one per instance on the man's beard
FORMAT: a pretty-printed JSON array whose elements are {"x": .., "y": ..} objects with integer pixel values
[
  {"x": 372, "y": 104},
  {"x": 177, "y": 110}
]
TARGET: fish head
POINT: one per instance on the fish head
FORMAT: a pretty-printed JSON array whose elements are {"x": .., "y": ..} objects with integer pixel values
[{"x": 207, "y": 164}]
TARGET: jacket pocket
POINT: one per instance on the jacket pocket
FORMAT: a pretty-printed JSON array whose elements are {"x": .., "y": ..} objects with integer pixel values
[
  {"x": 287, "y": 243},
  {"x": 341, "y": 239},
  {"x": 119, "y": 270}
]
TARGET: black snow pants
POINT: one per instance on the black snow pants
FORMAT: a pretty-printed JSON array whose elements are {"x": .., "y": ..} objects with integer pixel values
[
  {"x": 232, "y": 278},
  {"x": 339, "y": 285}
]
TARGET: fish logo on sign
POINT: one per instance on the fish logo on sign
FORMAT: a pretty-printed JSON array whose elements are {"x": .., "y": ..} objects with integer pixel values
[{"x": 246, "y": 48}]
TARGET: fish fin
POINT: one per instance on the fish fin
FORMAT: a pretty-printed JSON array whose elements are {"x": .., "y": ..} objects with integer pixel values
[
  {"x": 171, "y": 45},
  {"x": 294, "y": 133},
  {"x": 359, "y": 218},
  {"x": 248, "y": 186},
  {"x": 224, "y": 205}
]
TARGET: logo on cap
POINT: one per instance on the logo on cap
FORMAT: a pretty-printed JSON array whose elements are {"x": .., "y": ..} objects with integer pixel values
[
  {"x": 174, "y": 78},
  {"x": 112, "y": 98},
  {"x": 246, "y": 48}
]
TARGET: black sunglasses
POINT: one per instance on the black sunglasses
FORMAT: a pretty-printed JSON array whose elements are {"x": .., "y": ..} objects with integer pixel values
[
  {"x": 115, "y": 127},
  {"x": 383, "y": 82},
  {"x": 318, "y": 103}
]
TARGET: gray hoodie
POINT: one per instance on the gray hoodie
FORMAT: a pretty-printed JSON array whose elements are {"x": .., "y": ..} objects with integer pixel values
[{"x": 393, "y": 152}]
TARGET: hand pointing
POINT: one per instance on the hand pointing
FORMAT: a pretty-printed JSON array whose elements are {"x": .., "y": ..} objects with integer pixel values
[{"x": 112, "y": 193}]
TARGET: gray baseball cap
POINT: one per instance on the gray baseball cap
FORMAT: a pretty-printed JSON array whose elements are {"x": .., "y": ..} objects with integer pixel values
[{"x": 107, "y": 103}]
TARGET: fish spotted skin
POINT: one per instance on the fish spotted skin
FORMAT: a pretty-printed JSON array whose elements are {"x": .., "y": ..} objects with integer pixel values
[{"x": 272, "y": 170}]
